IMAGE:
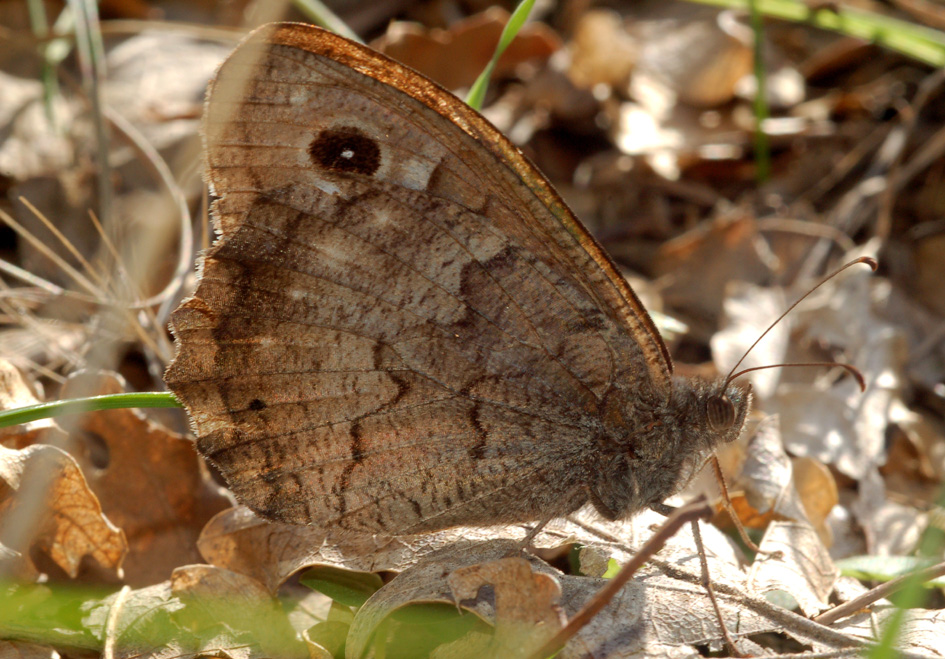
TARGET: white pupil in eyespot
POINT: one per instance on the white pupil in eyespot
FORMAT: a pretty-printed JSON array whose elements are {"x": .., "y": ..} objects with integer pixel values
[{"x": 347, "y": 154}]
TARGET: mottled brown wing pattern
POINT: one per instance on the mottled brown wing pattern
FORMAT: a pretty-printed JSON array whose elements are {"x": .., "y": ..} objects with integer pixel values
[{"x": 395, "y": 294}]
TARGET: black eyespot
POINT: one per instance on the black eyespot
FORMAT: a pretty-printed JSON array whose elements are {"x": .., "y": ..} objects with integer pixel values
[
  {"x": 345, "y": 150},
  {"x": 256, "y": 405},
  {"x": 720, "y": 412}
]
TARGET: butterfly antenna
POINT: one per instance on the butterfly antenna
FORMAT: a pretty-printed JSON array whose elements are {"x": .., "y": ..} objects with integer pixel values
[{"x": 871, "y": 262}]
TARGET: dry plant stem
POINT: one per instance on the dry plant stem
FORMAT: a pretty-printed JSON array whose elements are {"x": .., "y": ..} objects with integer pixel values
[
  {"x": 805, "y": 228},
  {"x": 166, "y": 176},
  {"x": 727, "y": 502},
  {"x": 927, "y": 89},
  {"x": 883, "y": 590},
  {"x": 791, "y": 622},
  {"x": 707, "y": 584},
  {"x": 34, "y": 242},
  {"x": 831, "y": 654},
  {"x": 690, "y": 513}
]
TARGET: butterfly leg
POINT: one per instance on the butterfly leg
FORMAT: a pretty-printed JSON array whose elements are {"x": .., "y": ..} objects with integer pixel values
[
  {"x": 526, "y": 542},
  {"x": 665, "y": 510}
]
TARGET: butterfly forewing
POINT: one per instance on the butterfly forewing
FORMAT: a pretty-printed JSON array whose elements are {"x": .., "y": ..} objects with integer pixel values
[{"x": 396, "y": 294}]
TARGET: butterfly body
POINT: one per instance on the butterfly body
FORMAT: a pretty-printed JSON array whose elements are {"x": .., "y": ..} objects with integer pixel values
[{"x": 401, "y": 327}]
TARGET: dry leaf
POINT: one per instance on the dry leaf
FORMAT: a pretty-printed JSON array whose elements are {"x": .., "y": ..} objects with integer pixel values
[
  {"x": 694, "y": 61},
  {"x": 922, "y": 630},
  {"x": 797, "y": 563},
  {"x": 150, "y": 481},
  {"x": 31, "y": 146},
  {"x": 270, "y": 552},
  {"x": 748, "y": 311},
  {"x": 455, "y": 57},
  {"x": 157, "y": 79},
  {"x": 701, "y": 264},
  {"x": 817, "y": 489},
  {"x": 778, "y": 487},
  {"x": 602, "y": 50},
  {"x": 46, "y": 504},
  {"x": 526, "y": 613},
  {"x": 428, "y": 581}
]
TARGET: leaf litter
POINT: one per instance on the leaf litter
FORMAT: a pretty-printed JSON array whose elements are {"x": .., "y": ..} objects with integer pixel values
[{"x": 115, "y": 500}]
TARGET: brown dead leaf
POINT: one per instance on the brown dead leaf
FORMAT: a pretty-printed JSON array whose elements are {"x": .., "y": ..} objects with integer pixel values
[
  {"x": 46, "y": 504},
  {"x": 817, "y": 489},
  {"x": 527, "y": 614},
  {"x": 270, "y": 552},
  {"x": 150, "y": 481},
  {"x": 428, "y": 581},
  {"x": 602, "y": 50},
  {"x": 695, "y": 61},
  {"x": 238, "y": 540},
  {"x": 455, "y": 57}
]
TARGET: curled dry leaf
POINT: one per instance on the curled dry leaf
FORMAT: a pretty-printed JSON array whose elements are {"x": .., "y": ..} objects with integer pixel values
[
  {"x": 429, "y": 581},
  {"x": 777, "y": 487},
  {"x": 817, "y": 489},
  {"x": 201, "y": 611},
  {"x": 526, "y": 613},
  {"x": 271, "y": 552},
  {"x": 797, "y": 563},
  {"x": 46, "y": 504},
  {"x": 150, "y": 481}
]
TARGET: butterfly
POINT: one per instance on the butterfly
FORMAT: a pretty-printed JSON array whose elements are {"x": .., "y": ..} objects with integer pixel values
[{"x": 402, "y": 327}]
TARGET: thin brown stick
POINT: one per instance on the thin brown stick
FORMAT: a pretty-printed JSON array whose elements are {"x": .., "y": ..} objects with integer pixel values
[
  {"x": 867, "y": 598},
  {"x": 692, "y": 512}
]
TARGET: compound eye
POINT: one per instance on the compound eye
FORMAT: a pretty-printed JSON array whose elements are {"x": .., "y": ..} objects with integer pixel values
[{"x": 720, "y": 412}]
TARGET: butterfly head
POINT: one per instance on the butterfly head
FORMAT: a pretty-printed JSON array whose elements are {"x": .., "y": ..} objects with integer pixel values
[
  {"x": 720, "y": 412},
  {"x": 725, "y": 406}
]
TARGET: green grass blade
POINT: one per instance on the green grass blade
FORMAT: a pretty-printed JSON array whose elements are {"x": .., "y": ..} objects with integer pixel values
[
  {"x": 477, "y": 93},
  {"x": 92, "y": 404},
  {"x": 916, "y": 41}
]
